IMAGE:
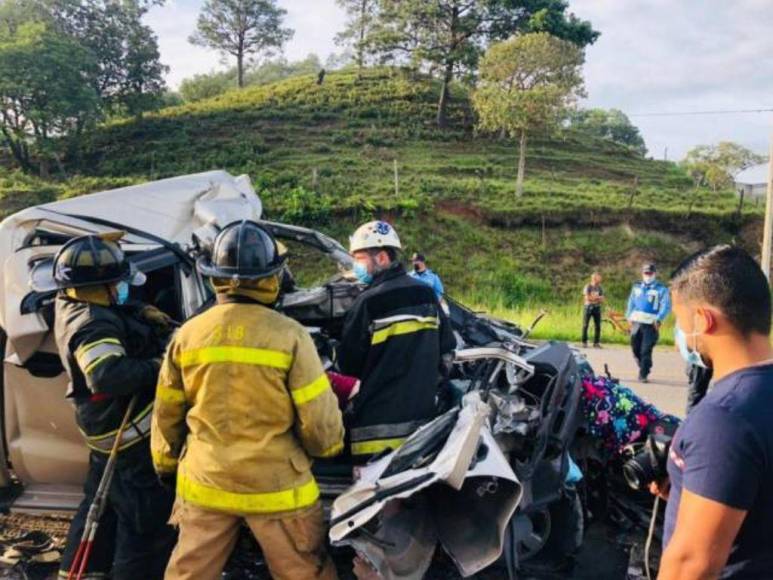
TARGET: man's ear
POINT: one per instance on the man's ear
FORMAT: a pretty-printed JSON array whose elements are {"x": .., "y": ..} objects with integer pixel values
[
  {"x": 706, "y": 320},
  {"x": 382, "y": 258}
]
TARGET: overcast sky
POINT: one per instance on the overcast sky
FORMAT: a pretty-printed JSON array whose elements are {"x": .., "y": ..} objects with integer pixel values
[{"x": 653, "y": 56}]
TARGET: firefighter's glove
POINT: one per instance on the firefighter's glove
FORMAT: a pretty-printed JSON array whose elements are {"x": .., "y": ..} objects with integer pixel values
[{"x": 157, "y": 318}]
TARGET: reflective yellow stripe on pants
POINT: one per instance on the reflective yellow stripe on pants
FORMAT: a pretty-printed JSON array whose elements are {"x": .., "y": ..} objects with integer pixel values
[{"x": 286, "y": 500}]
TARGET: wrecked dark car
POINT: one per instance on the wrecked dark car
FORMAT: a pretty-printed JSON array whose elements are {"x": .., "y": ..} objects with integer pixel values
[{"x": 485, "y": 480}]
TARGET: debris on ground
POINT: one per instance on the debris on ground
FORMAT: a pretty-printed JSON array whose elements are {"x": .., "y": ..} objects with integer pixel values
[
  {"x": 31, "y": 545},
  {"x": 607, "y": 554}
]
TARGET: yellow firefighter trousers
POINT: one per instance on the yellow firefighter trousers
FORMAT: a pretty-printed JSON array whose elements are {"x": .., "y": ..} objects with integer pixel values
[{"x": 293, "y": 544}]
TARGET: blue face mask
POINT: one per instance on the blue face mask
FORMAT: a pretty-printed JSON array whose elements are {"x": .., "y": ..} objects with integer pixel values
[
  {"x": 361, "y": 273},
  {"x": 122, "y": 293},
  {"x": 692, "y": 357}
]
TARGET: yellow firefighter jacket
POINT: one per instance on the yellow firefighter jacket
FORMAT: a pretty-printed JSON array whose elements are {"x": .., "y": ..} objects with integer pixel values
[{"x": 242, "y": 402}]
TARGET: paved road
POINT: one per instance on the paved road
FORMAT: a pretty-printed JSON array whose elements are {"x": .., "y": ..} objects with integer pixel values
[{"x": 667, "y": 389}]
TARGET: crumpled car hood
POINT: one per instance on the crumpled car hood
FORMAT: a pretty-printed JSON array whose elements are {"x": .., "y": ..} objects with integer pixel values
[{"x": 449, "y": 484}]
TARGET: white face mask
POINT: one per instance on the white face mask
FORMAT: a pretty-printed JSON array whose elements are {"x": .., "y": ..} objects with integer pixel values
[
  {"x": 689, "y": 354},
  {"x": 648, "y": 278}
]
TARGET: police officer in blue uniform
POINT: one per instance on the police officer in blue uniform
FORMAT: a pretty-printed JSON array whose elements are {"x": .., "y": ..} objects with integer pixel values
[
  {"x": 424, "y": 274},
  {"x": 648, "y": 306}
]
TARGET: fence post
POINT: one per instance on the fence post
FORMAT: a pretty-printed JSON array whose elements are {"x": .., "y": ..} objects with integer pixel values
[{"x": 397, "y": 179}]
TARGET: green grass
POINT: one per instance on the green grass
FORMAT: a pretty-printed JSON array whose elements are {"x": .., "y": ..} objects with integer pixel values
[
  {"x": 564, "y": 322},
  {"x": 456, "y": 199},
  {"x": 350, "y": 130}
]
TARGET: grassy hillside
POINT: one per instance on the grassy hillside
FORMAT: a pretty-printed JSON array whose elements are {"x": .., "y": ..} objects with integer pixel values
[{"x": 324, "y": 155}]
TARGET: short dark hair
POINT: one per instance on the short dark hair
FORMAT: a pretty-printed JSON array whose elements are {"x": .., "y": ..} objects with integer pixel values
[
  {"x": 391, "y": 252},
  {"x": 728, "y": 278}
]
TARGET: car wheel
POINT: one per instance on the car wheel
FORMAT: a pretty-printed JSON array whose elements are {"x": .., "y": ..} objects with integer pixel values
[{"x": 532, "y": 532}]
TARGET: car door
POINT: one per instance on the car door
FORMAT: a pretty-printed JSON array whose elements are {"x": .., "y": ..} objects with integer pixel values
[
  {"x": 38, "y": 428},
  {"x": 43, "y": 443}
]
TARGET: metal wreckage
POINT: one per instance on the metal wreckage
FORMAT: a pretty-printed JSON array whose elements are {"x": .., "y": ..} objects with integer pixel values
[{"x": 493, "y": 480}]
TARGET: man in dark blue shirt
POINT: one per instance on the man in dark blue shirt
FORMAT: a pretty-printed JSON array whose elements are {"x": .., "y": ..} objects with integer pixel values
[{"x": 719, "y": 519}]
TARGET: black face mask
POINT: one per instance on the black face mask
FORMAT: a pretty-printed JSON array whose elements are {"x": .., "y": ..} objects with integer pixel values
[{"x": 416, "y": 268}]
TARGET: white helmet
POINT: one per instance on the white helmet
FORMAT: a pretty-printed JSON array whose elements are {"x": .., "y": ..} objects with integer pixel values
[{"x": 374, "y": 235}]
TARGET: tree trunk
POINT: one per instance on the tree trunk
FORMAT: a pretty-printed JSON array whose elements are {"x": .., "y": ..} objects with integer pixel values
[
  {"x": 445, "y": 96},
  {"x": 19, "y": 152},
  {"x": 361, "y": 44},
  {"x": 521, "y": 164},
  {"x": 240, "y": 69}
]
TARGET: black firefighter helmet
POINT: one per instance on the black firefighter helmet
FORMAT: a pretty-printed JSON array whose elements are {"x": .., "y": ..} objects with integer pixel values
[
  {"x": 94, "y": 260},
  {"x": 243, "y": 250}
]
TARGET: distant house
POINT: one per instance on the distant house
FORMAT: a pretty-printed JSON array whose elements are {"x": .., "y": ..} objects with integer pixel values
[{"x": 753, "y": 182}]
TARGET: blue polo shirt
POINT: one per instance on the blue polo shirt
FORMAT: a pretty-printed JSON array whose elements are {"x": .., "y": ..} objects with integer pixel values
[
  {"x": 724, "y": 452},
  {"x": 430, "y": 279}
]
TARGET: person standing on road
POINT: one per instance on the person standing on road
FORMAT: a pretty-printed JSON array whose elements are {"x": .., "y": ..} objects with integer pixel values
[
  {"x": 393, "y": 340},
  {"x": 719, "y": 517},
  {"x": 424, "y": 274},
  {"x": 648, "y": 306},
  {"x": 111, "y": 350},
  {"x": 593, "y": 298},
  {"x": 242, "y": 404}
]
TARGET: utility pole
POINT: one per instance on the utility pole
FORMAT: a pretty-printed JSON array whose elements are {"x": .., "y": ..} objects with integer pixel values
[{"x": 768, "y": 230}]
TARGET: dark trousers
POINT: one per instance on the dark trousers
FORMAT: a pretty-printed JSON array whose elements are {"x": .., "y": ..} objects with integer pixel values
[
  {"x": 133, "y": 540},
  {"x": 591, "y": 312},
  {"x": 644, "y": 337}
]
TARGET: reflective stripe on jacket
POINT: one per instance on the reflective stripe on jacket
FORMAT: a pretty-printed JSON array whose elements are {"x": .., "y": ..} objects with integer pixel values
[
  {"x": 393, "y": 339},
  {"x": 109, "y": 354},
  {"x": 136, "y": 430},
  {"x": 242, "y": 402}
]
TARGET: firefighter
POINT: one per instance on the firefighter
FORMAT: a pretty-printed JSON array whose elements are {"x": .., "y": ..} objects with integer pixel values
[
  {"x": 111, "y": 351},
  {"x": 242, "y": 405},
  {"x": 393, "y": 340}
]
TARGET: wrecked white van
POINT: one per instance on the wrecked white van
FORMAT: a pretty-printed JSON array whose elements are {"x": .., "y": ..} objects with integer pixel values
[{"x": 498, "y": 450}]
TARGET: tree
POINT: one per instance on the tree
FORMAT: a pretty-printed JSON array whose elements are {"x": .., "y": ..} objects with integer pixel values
[
  {"x": 716, "y": 166},
  {"x": 241, "y": 28},
  {"x": 279, "y": 69},
  {"x": 130, "y": 77},
  {"x": 527, "y": 83},
  {"x": 361, "y": 18},
  {"x": 549, "y": 16},
  {"x": 451, "y": 35},
  {"x": 47, "y": 93},
  {"x": 613, "y": 125},
  {"x": 205, "y": 86},
  {"x": 143, "y": 83}
]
